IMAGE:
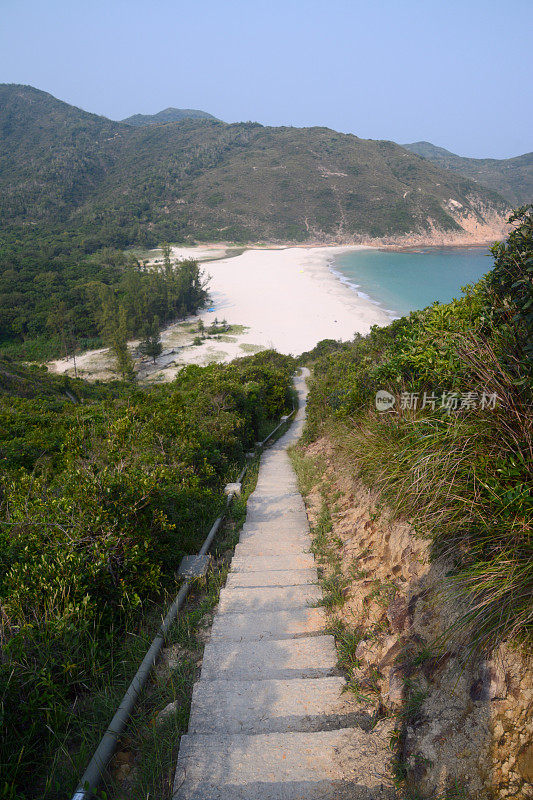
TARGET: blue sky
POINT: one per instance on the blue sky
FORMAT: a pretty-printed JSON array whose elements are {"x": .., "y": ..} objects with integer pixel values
[{"x": 457, "y": 74}]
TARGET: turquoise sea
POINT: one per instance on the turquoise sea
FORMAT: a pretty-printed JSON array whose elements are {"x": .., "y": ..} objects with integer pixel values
[{"x": 411, "y": 279}]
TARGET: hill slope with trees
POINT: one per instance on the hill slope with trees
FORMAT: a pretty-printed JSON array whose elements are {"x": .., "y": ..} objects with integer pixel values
[
  {"x": 510, "y": 177},
  {"x": 109, "y": 183},
  {"x": 75, "y": 188},
  {"x": 167, "y": 115}
]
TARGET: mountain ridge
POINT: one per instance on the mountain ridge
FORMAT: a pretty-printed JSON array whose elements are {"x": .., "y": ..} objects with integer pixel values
[
  {"x": 510, "y": 177},
  {"x": 109, "y": 183},
  {"x": 167, "y": 115}
]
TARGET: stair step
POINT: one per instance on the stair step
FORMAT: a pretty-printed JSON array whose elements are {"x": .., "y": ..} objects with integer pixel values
[
  {"x": 288, "y": 527},
  {"x": 270, "y": 510},
  {"x": 268, "y": 483},
  {"x": 285, "y": 624},
  {"x": 268, "y": 480},
  {"x": 325, "y": 765},
  {"x": 273, "y": 527},
  {"x": 277, "y": 515},
  {"x": 276, "y": 500},
  {"x": 268, "y": 547},
  {"x": 299, "y": 704},
  {"x": 295, "y": 536},
  {"x": 260, "y": 563},
  {"x": 269, "y": 598},
  {"x": 307, "y": 657},
  {"x": 272, "y": 577},
  {"x": 274, "y": 489}
]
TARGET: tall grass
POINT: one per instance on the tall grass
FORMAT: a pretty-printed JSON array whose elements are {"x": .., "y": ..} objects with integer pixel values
[
  {"x": 462, "y": 476},
  {"x": 464, "y": 479}
]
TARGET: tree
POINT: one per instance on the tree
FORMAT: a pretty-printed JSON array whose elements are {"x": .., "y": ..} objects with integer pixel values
[
  {"x": 105, "y": 309},
  {"x": 168, "y": 278},
  {"x": 191, "y": 284},
  {"x": 58, "y": 321},
  {"x": 124, "y": 364},
  {"x": 115, "y": 332},
  {"x": 133, "y": 295},
  {"x": 151, "y": 343}
]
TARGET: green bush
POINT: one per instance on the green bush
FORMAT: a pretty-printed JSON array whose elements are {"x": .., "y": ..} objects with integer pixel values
[
  {"x": 462, "y": 476},
  {"x": 99, "y": 503}
]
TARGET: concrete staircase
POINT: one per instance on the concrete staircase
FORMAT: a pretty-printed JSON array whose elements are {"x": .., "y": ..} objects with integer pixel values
[{"x": 269, "y": 719}]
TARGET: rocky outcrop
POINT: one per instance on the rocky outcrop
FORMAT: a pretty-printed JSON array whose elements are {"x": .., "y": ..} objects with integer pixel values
[{"x": 464, "y": 723}]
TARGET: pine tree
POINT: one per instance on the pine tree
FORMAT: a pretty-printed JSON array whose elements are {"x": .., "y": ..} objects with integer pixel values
[
  {"x": 117, "y": 337},
  {"x": 151, "y": 344},
  {"x": 168, "y": 277},
  {"x": 58, "y": 321}
]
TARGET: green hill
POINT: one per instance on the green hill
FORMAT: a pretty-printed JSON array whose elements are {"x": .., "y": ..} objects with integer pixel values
[
  {"x": 510, "y": 177},
  {"x": 52, "y": 155},
  {"x": 167, "y": 115},
  {"x": 72, "y": 173}
]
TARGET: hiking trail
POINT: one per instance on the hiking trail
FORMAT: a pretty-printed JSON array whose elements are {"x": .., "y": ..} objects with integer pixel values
[{"x": 269, "y": 718}]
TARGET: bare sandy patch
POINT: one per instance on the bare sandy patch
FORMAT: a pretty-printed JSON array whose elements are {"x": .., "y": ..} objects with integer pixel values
[{"x": 286, "y": 298}]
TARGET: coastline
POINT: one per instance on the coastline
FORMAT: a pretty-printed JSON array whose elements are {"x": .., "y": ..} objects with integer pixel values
[
  {"x": 419, "y": 248},
  {"x": 472, "y": 235},
  {"x": 356, "y": 287},
  {"x": 286, "y": 298},
  {"x": 282, "y": 296},
  {"x": 290, "y": 298},
  {"x": 376, "y": 277},
  {"x": 485, "y": 237}
]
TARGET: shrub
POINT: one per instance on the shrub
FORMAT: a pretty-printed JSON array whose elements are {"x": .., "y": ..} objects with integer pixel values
[
  {"x": 99, "y": 503},
  {"x": 463, "y": 477}
]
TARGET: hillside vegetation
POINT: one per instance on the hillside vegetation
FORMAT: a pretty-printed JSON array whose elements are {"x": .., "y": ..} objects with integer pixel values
[
  {"x": 100, "y": 499},
  {"x": 510, "y": 177},
  {"x": 75, "y": 188},
  {"x": 54, "y": 306},
  {"x": 108, "y": 183},
  {"x": 167, "y": 115},
  {"x": 455, "y": 453}
]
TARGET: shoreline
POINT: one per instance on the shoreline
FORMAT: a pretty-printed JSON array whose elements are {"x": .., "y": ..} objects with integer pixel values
[
  {"x": 290, "y": 298},
  {"x": 368, "y": 291},
  {"x": 419, "y": 248},
  {"x": 478, "y": 236},
  {"x": 284, "y": 298},
  {"x": 356, "y": 287},
  {"x": 280, "y": 296}
]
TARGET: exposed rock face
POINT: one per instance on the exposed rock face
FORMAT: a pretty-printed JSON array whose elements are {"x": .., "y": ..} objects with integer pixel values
[
  {"x": 465, "y": 722},
  {"x": 398, "y": 614}
]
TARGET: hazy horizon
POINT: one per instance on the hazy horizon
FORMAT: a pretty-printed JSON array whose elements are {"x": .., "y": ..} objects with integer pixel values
[{"x": 450, "y": 75}]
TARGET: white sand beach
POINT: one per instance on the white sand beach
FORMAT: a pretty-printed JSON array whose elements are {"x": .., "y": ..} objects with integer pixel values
[{"x": 287, "y": 299}]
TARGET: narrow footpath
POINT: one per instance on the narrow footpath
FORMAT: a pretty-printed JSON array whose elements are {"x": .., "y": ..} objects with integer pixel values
[{"x": 269, "y": 718}]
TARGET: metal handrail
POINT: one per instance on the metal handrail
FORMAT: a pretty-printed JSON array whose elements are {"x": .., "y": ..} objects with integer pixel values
[
  {"x": 92, "y": 776},
  {"x": 284, "y": 421}
]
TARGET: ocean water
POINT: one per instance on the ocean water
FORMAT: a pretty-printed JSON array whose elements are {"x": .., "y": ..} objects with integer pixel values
[{"x": 405, "y": 281}]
